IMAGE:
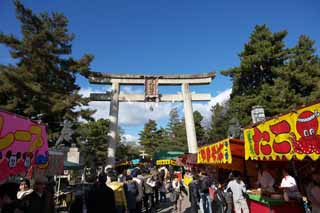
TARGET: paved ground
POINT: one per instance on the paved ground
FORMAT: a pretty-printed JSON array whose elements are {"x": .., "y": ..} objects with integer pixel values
[{"x": 168, "y": 207}]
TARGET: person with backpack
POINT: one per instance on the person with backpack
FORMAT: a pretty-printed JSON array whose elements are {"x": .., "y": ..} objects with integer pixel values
[
  {"x": 131, "y": 191},
  {"x": 219, "y": 204},
  {"x": 194, "y": 196},
  {"x": 139, "y": 197},
  {"x": 205, "y": 200},
  {"x": 148, "y": 198},
  {"x": 119, "y": 194}
]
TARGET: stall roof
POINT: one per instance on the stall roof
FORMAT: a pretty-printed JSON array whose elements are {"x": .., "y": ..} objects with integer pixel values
[{"x": 71, "y": 166}]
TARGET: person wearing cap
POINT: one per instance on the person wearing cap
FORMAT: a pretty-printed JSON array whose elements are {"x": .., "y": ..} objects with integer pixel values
[{"x": 40, "y": 200}]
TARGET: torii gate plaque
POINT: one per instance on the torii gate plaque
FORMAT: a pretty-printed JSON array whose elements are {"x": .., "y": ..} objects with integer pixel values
[{"x": 151, "y": 83}]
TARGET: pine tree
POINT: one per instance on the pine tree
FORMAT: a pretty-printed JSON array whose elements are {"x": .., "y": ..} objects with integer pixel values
[
  {"x": 177, "y": 131},
  {"x": 42, "y": 83},
  {"x": 149, "y": 137},
  {"x": 219, "y": 123},
  {"x": 262, "y": 55},
  {"x": 200, "y": 132},
  {"x": 93, "y": 137}
]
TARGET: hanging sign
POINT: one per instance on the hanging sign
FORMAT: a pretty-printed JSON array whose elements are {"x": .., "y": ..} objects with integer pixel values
[
  {"x": 23, "y": 144},
  {"x": 295, "y": 134},
  {"x": 165, "y": 162},
  {"x": 215, "y": 153},
  {"x": 151, "y": 88}
]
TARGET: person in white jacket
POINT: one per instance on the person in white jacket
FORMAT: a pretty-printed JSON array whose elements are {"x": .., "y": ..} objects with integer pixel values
[{"x": 24, "y": 188}]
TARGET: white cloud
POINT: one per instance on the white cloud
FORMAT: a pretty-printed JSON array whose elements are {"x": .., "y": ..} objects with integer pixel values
[
  {"x": 204, "y": 108},
  {"x": 132, "y": 114},
  {"x": 127, "y": 138}
]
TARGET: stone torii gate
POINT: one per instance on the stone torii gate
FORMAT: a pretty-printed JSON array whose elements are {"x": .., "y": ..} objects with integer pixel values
[{"x": 151, "y": 83}]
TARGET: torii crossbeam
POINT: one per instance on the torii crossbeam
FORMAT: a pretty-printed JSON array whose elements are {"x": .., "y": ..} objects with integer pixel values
[{"x": 151, "y": 83}]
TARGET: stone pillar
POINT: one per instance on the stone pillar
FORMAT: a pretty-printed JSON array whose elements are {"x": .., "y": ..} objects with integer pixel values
[
  {"x": 113, "y": 116},
  {"x": 188, "y": 114}
]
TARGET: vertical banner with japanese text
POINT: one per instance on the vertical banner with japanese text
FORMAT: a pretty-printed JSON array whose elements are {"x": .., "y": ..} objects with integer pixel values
[{"x": 215, "y": 153}]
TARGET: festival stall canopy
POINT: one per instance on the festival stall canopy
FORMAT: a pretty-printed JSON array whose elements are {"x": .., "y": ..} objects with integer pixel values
[
  {"x": 292, "y": 135},
  {"x": 23, "y": 145},
  {"x": 221, "y": 152},
  {"x": 71, "y": 166}
]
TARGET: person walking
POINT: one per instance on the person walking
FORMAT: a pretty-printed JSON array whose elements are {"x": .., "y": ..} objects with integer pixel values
[
  {"x": 131, "y": 191},
  {"x": 219, "y": 204},
  {"x": 119, "y": 194},
  {"x": 100, "y": 198},
  {"x": 176, "y": 194},
  {"x": 149, "y": 186},
  {"x": 24, "y": 188},
  {"x": 40, "y": 200},
  {"x": 238, "y": 188},
  {"x": 205, "y": 200},
  {"x": 139, "y": 197},
  {"x": 8, "y": 198},
  {"x": 194, "y": 196}
]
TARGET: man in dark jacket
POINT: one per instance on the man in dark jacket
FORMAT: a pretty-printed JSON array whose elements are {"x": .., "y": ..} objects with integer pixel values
[
  {"x": 100, "y": 198},
  {"x": 194, "y": 195},
  {"x": 40, "y": 200}
]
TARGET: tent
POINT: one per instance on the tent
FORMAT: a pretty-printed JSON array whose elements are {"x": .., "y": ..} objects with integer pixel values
[
  {"x": 72, "y": 166},
  {"x": 226, "y": 154}
]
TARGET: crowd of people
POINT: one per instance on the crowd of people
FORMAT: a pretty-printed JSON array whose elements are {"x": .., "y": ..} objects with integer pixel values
[
  {"x": 143, "y": 190},
  {"x": 21, "y": 198}
]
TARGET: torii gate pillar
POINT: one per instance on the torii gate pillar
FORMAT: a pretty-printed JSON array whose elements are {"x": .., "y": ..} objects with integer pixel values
[
  {"x": 189, "y": 120},
  {"x": 113, "y": 116}
]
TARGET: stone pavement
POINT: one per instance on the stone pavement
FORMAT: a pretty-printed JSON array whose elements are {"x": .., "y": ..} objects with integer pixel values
[{"x": 168, "y": 206}]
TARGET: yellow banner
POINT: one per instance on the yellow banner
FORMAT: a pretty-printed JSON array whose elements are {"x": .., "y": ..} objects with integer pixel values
[
  {"x": 294, "y": 134},
  {"x": 165, "y": 162},
  {"x": 215, "y": 153}
]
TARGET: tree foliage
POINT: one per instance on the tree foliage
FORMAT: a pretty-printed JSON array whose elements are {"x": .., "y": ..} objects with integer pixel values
[
  {"x": 93, "y": 137},
  {"x": 149, "y": 137},
  {"x": 218, "y": 129},
  {"x": 200, "y": 132},
  {"x": 42, "y": 82},
  {"x": 271, "y": 75}
]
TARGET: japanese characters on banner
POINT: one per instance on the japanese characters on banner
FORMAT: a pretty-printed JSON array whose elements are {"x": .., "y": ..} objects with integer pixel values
[
  {"x": 215, "y": 153},
  {"x": 151, "y": 88},
  {"x": 23, "y": 144},
  {"x": 165, "y": 162},
  {"x": 293, "y": 134}
]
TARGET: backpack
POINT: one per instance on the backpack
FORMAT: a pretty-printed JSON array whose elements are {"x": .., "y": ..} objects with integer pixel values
[
  {"x": 212, "y": 193},
  {"x": 147, "y": 188},
  {"x": 133, "y": 188},
  {"x": 204, "y": 185}
]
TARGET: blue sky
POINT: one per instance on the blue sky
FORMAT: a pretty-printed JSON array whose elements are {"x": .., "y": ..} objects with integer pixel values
[{"x": 168, "y": 36}]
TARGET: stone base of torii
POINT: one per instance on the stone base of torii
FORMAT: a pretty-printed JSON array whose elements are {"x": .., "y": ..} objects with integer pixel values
[{"x": 151, "y": 83}]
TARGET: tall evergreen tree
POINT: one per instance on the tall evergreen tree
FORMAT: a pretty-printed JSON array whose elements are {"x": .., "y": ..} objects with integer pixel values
[
  {"x": 219, "y": 123},
  {"x": 200, "y": 132},
  {"x": 262, "y": 55},
  {"x": 93, "y": 137},
  {"x": 177, "y": 131},
  {"x": 149, "y": 137},
  {"x": 42, "y": 83}
]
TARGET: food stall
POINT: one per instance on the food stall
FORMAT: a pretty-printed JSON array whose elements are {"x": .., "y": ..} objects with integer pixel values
[
  {"x": 226, "y": 155},
  {"x": 289, "y": 138}
]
